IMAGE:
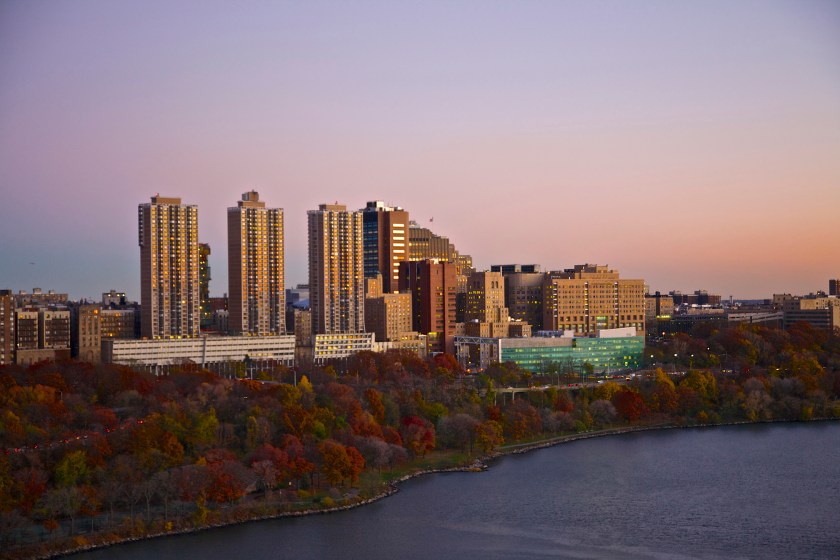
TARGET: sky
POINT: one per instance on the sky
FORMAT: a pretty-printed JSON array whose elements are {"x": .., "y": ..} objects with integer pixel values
[{"x": 692, "y": 144}]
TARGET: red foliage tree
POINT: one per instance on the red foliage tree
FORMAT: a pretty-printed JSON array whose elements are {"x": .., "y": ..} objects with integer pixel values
[
  {"x": 630, "y": 405},
  {"x": 418, "y": 434}
]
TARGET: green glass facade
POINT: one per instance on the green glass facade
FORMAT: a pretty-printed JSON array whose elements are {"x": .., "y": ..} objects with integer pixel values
[{"x": 605, "y": 354}]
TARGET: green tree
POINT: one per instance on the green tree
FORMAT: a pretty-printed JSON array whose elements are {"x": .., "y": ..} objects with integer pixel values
[{"x": 72, "y": 469}]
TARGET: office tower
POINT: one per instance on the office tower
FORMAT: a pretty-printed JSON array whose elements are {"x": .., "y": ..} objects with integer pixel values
[
  {"x": 336, "y": 271},
  {"x": 524, "y": 297},
  {"x": 433, "y": 287},
  {"x": 7, "y": 327},
  {"x": 385, "y": 238},
  {"x": 486, "y": 314},
  {"x": 426, "y": 245},
  {"x": 834, "y": 287},
  {"x": 257, "y": 296},
  {"x": 486, "y": 297},
  {"x": 589, "y": 298},
  {"x": 169, "y": 269},
  {"x": 204, "y": 284}
]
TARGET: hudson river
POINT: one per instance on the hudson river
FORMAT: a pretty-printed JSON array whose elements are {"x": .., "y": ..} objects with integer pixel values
[{"x": 763, "y": 492}]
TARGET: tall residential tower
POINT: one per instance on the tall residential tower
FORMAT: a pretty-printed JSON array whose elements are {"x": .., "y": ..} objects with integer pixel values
[
  {"x": 336, "y": 271},
  {"x": 257, "y": 293},
  {"x": 169, "y": 265}
]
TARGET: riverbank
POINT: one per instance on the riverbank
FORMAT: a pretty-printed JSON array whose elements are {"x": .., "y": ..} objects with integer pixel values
[{"x": 391, "y": 486}]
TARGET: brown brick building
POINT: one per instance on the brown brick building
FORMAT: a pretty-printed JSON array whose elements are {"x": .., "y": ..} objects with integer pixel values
[{"x": 433, "y": 287}]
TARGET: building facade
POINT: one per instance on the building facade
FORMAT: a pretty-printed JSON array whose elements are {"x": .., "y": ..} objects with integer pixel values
[
  {"x": 257, "y": 290},
  {"x": 386, "y": 242},
  {"x": 169, "y": 268},
  {"x": 563, "y": 354},
  {"x": 821, "y": 312},
  {"x": 388, "y": 316},
  {"x": 524, "y": 296},
  {"x": 204, "y": 277},
  {"x": 336, "y": 270},
  {"x": 433, "y": 287},
  {"x": 7, "y": 327},
  {"x": 218, "y": 353},
  {"x": 589, "y": 298},
  {"x": 41, "y": 334}
]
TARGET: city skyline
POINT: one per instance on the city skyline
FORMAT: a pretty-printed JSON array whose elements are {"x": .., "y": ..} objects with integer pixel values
[{"x": 693, "y": 146}]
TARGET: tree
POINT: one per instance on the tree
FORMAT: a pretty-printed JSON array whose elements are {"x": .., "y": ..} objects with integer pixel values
[
  {"x": 266, "y": 475},
  {"x": 71, "y": 469},
  {"x": 458, "y": 431},
  {"x": 357, "y": 464},
  {"x": 603, "y": 412},
  {"x": 374, "y": 400},
  {"x": 227, "y": 476},
  {"x": 522, "y": 420},
  {"x": 629, "y": 404},
  {"x": 336, "y": 462},
  {"x": 418, "y": 434},
  {"x": 489, "y": 435}
]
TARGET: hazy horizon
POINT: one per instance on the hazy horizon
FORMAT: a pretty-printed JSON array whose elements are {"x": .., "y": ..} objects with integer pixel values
[{"x": 694, "y": 145}]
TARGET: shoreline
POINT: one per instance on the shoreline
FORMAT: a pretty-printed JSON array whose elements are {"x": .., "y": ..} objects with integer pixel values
[{"x": 480, "y": 463}]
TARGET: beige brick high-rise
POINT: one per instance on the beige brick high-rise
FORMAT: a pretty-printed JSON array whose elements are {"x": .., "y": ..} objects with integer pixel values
[
  {"x": 336, "y": 270},
  {"x": 169, "y": 268},
  {"x": 388, "y": 316},
  {"x": 589, "y": 298},
  {"x": 257, "y": 296},
  {"x": 486, "y": 314}
]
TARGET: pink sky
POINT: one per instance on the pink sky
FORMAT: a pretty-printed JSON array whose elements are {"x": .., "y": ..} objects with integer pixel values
[{"x": 695, "y": 145}]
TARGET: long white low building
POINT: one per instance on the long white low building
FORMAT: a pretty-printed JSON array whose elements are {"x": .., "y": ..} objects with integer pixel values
[{"x": 203, "y": 351}]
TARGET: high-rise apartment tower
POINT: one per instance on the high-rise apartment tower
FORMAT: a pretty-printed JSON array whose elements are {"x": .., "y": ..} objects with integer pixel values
[
  {"x": 169, "y": 279},
  {"x": 336, "y": 270},
  {"x": 257, "y": 293}
]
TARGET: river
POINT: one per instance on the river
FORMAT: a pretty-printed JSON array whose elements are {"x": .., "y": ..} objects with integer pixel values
[{"x": 752, "y": 492}]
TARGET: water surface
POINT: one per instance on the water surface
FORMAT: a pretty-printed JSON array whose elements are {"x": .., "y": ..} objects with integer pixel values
[{"x": 762, "y": 492}]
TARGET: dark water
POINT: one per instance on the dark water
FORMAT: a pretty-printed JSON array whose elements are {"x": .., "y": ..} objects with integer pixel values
[{"x": 763, "y": 492}]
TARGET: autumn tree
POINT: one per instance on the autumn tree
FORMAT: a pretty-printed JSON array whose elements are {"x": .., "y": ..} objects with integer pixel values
[
  {"x": 418, "y": 434},
  {"x": 629, "y": 404},
  {"x": 603, "y": 412},
  {"x": 458, "y": 431},
  {"x": 489, "y": 435},
  {"x": 521, "y": 420}
]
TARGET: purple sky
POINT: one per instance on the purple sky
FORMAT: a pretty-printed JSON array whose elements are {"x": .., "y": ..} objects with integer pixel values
[{"x": 692, "y": 144}]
